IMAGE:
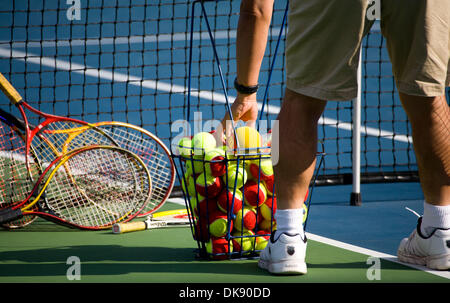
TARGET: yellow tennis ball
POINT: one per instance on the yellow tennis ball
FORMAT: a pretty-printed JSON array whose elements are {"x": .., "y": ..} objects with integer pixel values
[
  {"x": 203, "y": 141},
  {"x": 235, "y": 176},
  {"x": 261, "y": 241},
  {"x": 243, "y": 241},
  {"x": 268, "y": 208},
  {"x": 261, "y": 169},
  {"x": 245, "y": 219},
  {"x": 266, "y": 224},
  {"x": 185, "y": 146},
  {"x": 247, "y": 138},
  {"x": 218, "y": 224},
  {"x": 194, "y": 166},
  {"x": 188, "y": 186}
]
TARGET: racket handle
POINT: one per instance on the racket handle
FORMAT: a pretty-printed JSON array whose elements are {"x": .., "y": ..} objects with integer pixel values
[
  {"x": 120, "y": 228},
  {"x": 12, "y": 94},
  {"x": 8, "y": 215}
]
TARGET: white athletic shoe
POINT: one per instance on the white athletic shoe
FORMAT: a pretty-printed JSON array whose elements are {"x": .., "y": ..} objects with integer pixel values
[
  {"x": 285, "y": 256},
  {"x": 432, "y": 251}
]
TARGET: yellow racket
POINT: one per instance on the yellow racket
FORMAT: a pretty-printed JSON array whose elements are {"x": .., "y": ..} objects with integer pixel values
[{"x": 162, "y": 219}]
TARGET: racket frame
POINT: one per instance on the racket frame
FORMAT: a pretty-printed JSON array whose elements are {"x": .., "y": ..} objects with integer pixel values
[{"x": 47, "y": 211}]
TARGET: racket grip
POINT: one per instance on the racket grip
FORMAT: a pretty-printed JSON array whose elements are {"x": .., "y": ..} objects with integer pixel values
[
  {"x": 9, "y": 90},
  {"x": 8, "y": 215},
  {"x": 120, "y": 228}
]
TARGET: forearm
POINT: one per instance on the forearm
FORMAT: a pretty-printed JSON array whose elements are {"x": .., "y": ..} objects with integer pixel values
[{"x": 251, "y": 41}]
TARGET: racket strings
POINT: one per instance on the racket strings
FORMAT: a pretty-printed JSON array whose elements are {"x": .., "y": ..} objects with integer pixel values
[
  {"x": 152, "y": 154},
  {"x": 16, "y": 181},
  {"x": 101, "y": 186},
  {"x": 60, "y": 137}
]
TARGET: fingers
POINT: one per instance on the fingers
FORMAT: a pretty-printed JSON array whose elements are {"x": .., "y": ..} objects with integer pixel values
[{"x": 244, "y": 108}]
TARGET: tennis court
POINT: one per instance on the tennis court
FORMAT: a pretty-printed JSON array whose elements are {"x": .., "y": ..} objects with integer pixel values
[
  {"x": 129, "y": 61},
  {"x": 40, "y": 253}
]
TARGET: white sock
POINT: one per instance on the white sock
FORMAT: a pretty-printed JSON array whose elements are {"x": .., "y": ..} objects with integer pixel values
[
  {"x": 434, "y": 217},
  {"x": 289, "y": 221}
]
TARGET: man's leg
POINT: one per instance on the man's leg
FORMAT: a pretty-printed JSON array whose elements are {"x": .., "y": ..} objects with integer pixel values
[
  {"x": 297, "y": 146},
  {"x": 297, "y": 149},
  {"x": 313, "y": 74},
  {"x": 430, "y": 122},
  {"x": 429, "y": 244},
  {"x": 417, "y": 38}
]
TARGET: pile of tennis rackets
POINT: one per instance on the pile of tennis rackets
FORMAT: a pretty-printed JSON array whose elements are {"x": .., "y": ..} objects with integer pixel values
[{"x": 75, "y": 173}]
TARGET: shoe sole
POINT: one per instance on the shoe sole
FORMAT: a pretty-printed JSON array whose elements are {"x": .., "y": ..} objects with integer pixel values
[
  {"x": 440, "y": 262},
  {"x": 284, "y": 268}
]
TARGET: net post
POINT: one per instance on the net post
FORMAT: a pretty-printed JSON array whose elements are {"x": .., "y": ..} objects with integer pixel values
[{"x": 355, "y": 197}]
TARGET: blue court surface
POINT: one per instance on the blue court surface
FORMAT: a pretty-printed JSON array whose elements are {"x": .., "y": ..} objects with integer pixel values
[
  {"x": 129, "y": 61},
  {"x": 378, "y": 224}
]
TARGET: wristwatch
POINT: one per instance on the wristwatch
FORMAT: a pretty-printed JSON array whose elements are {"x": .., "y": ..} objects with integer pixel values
[{"x": 245, "y": 89}]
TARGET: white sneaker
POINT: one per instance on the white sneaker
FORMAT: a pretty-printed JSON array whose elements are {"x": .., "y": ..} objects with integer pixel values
[
  {"x": 432, "y": 251},
  {"x": 285, "y": 256}
]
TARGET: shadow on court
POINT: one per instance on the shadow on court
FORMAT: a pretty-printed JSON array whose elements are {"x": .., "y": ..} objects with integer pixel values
[{"x": 108, "y": 260}]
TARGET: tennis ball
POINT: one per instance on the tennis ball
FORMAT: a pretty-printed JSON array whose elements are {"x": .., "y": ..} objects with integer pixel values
[
  {"x": 185, "y": 146},
  {"x": 247, "y": 138},
  {"x": 194, "y": 165},
  {"x": 262, "y": 240},
  {"x": 246, "y": 165},
  {"x": 200, "y": 231},
  {"x": 268, "y": 208},
  {"x": 208, "y": 186},
  {"x": 305, "y": 213},
  {"x": 203, "y": 141},
  {"x": 245, "y": 219},
  {"x": 269, "y": 185},
  {"x": 243, "y": 241},
  {"x": 255, "y": 195},
  {"x": 218, "y": 224},
  {"x": 262, "y": 169},
  {"x": 188, "y": 168},
  {"x": 236, "y": 176},
  {"x": 193, "y": 200},
  {"x": 218, "y": 248},
  {"x": 215, "y": 162},
  {"x": 267, "y": 224},
  {"x": 225, "y": 201},
  {"x": 206, "y": 207},
  {"x": 188, "y": 186}
]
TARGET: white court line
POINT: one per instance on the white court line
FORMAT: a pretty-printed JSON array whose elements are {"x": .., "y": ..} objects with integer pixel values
[
  {"x": 175, "y": 37},
  {"x": 173, "y": 88},
  {"x": 373, "y": 253}
]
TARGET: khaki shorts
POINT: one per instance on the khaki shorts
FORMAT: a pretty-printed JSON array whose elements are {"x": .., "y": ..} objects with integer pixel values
[{"x": 324, "y": 40}]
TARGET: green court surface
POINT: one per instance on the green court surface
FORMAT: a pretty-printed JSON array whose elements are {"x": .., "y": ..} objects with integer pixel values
[{"x": 39, "y": 253}]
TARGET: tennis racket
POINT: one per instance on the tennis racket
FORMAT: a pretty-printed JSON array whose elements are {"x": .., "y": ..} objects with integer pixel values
[
  {"x": 149, "y": 148},
  {"x": 163, "y": 219},
  {"x": 106, "y": 185},
  {"x": 16, "y": 181},
  {"x": 54, "y": 135}
]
